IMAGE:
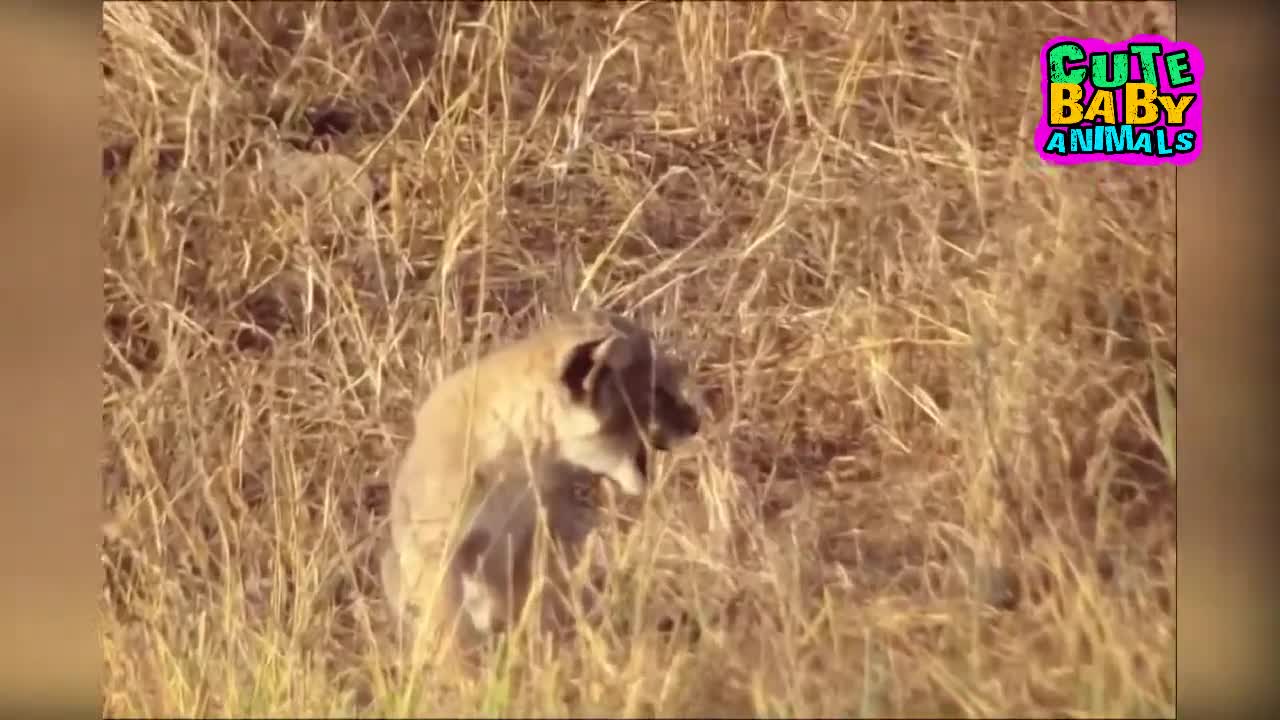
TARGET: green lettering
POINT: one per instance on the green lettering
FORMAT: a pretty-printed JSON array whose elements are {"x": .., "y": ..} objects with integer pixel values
[
  {"x": 1179, "y": 69},
  {"x": 1119, "y": 70},
  {"x": 1059, "y": 55},
  {"x": 1146, "y": 54}
]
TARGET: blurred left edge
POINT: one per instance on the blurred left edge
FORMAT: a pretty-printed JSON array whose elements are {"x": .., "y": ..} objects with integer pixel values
[{"x": 50, "y": 354}]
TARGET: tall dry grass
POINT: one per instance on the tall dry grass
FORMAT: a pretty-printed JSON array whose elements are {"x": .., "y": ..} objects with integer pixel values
[{"x": 933, "y": 479}]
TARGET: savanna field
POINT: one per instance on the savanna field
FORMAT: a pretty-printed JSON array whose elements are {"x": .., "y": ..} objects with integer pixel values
[{"x": 935, "y": 474}]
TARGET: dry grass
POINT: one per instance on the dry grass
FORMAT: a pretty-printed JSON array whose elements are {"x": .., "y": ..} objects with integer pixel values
[{"x": 933, "y": 481}]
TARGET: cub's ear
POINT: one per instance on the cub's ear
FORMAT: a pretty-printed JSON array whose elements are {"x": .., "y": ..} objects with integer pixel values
[{"x": 588, "y": 362}]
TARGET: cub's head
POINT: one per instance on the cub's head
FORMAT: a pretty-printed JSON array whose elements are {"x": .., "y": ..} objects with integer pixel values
[
  {"x": 494, "y": 567},
  {"x": 626, "y": 394},
  {"x": 492, "y": 577},
  {"x": 491, "y": 565},
  {"x": 479, "y": 602}
]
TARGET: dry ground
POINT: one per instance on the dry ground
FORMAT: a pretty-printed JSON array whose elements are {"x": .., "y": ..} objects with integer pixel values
[{"x": 934, "y": 478}]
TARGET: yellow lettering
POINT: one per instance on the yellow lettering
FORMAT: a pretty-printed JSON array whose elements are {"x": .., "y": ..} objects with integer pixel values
[
  {"x": 1103, "y": 103},
  {"x": 1174, "y": 110},
  {"x": 1140, "y": 104},
  {"x": 1064, "y": 104}
]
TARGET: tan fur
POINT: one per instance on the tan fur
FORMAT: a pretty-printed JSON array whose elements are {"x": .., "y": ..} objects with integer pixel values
[{"x": 588, "y": 388}]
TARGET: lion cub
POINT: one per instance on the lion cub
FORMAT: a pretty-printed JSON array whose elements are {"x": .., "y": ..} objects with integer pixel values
[
  {"x": 504, "y": 550},
  {"x": 590, "y": 389}
]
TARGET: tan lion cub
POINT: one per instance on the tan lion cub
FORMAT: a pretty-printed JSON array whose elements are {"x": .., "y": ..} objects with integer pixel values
[{"x": 590, "y": 389}]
